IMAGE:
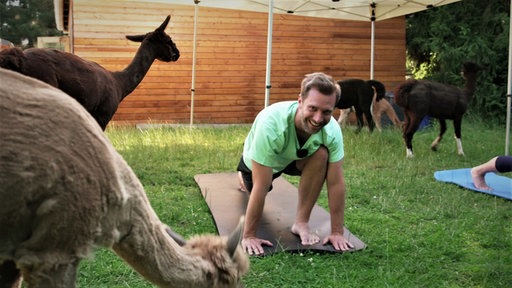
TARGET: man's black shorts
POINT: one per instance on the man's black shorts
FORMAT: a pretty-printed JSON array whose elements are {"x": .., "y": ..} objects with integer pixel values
[{"x": 291, "y": 169}]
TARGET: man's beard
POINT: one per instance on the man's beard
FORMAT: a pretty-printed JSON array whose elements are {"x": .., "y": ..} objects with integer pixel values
[{"x": 308, "y": 127}]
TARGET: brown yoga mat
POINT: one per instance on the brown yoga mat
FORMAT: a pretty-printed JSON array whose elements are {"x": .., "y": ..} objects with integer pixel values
[{"x": 227, "y": 203}]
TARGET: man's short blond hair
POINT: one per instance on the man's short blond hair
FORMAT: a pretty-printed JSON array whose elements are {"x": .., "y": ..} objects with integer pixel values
[{"x": 322, "y": 82}]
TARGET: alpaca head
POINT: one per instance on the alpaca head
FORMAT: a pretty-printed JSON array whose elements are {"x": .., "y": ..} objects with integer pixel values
[
  {"x": 229, "y": 261},
  {"x": 159, "y": 43},
  {"x": 470, "y": 68},
  {"x": 12, "y": 59}
]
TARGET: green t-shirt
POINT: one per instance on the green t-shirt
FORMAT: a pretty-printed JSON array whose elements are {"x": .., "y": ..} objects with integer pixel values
[{"x": 273, "y": 142}]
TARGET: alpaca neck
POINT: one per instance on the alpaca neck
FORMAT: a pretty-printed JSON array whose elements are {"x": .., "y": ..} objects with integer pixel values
[
  {"x": 152, "y": 253},
  {"x": 132, "y": 75},
  {"x": 470, "y": 86},
  {"x": 161, "y": 261}
]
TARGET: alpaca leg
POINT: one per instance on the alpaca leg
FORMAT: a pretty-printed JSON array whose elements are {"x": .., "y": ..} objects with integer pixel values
[
  {"x": 457, "y": 123},
  {"x": 52, "y": 275},
  {"x": 365, "y": 96},
  {"x": 392, "y": 116},
  {"x": 360, "y": 122},
  {"x": 407, "y": 122},
  {"x": 369, "y": 119},
  {"x": 412, "y": 123},
  {"x": 378, "y": 122},
  {"x": 376, "y": 115},
  {"x": 442, "y": 124},
  {"x": 10, "y": 276},
  {"x": 365, "y": 108},
  {"x": 459, "y": 146}
]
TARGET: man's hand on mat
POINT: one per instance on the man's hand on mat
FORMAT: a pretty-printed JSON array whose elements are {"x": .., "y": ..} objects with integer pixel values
[
  {"x": 254, "y": 246},
  {"x": 338, "y": 242},
  {"x": 306, "y": 237}
]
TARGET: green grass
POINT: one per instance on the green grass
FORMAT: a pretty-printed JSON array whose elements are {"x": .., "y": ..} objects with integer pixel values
[{"x": 419, "y": 232}]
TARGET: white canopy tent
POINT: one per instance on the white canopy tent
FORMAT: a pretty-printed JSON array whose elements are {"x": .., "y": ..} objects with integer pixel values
[{"x": 357, "y": 10}]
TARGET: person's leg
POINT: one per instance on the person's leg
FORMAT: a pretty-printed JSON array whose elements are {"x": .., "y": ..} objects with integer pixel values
[
  {"x": 244, "y": 176},
  {"x": 313, "y": 172},
  {"x": 504, "y": 164},
  {"x": 478, "y": 173},
  {"x": 241, "y": 182}
]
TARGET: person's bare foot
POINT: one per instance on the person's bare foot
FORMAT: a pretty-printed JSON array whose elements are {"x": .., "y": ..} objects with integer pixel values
[
  {"x": 479, "y": 180},
  {"x": 241, "y": 182},
  {"x": 306, "y": 237}
]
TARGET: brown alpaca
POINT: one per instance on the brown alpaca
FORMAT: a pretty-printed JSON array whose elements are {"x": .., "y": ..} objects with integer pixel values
[
  {"x": 65, "y": 191},
  {"x": 419, "y": 98},
  {"x": 380, "y": 107},
  {"x": 97, "y": 89}
]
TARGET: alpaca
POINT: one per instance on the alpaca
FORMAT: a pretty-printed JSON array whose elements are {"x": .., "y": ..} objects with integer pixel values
[
  {"x": 358, "y": 94},
  {"x": 419, "y": 98},
  {"x": 64, "y": 190},
  {"x": 378, "y": 108},
  {"x": 384, "y": 107},
  {"x": 342, "y": 118},
  {"x": 100, "y": 91}
]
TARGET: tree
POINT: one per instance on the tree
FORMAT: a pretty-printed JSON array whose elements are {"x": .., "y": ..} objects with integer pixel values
[
  {"x": 439, "y": 40},
  {"x": 22, "y": 21}
]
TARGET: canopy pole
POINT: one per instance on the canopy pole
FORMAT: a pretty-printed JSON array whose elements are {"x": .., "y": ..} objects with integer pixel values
[
  {"x": 193, "y": 85},
  {"x": 509, "y": 84},
  {"x": 373, "y": 5},
  {"x": 269, "y": 51},
  {"x": 372, "y": 50}
]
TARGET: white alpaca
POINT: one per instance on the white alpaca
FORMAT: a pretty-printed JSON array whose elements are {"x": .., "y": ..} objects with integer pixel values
[{"x": 65, "y": 191}]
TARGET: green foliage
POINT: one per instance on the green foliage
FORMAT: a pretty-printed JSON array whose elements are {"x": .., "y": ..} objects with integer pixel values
[
  {"x": 419, "y": 232},
  {"x": 441, "y": 39},
  {"x": 24, "y": 20}
]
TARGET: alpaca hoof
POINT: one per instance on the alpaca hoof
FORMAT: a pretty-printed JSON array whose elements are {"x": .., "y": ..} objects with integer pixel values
[
  {"x": 434, "y": 148},
  {"x": 409, "y": 153}
]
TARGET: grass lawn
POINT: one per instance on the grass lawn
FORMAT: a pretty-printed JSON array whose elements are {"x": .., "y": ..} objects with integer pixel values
[{"x": 419, "y": 232}]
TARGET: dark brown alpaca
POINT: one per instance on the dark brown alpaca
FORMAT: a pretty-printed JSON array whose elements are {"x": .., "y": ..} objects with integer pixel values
[
  {"x": 419, "y": 98},
  {"x": 98, "y": 90}
]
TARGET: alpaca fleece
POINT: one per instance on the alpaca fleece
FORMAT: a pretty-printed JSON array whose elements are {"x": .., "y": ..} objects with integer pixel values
[{"x": 65, "y": 191}]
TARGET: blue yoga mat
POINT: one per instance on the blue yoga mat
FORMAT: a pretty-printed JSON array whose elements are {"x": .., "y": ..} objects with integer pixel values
[{"x": 501, "y": 186}]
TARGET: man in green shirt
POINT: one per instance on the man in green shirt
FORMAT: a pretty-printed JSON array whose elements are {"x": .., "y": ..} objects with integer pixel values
[{"x": 296, "y": 138}]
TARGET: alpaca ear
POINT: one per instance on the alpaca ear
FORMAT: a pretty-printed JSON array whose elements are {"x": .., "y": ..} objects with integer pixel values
[
  {"x": 176, "y": 237},
  {"x": 164, "y": 24},
  {"x": 136, "y": 38},
  {"x": 235, "y": 237}
]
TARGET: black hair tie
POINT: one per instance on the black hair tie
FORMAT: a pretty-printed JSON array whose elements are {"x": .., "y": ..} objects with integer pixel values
[{"x": 301, "y": 153}]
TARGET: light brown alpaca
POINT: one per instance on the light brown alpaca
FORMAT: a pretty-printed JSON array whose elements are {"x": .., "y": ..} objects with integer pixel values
[
  {"x": 378, "y": 109},
  {"x": 100, "y": 91},
  {"x": 65, "y": 191},
  {"x": 384, "y": 107}
]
